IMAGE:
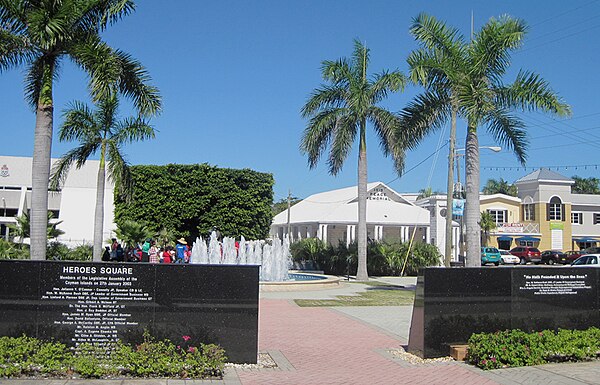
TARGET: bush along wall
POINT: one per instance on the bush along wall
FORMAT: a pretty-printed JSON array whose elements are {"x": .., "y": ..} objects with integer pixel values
[
  {"x": 382, "y": 258},
  {"x": 188, "y": 200},
  {"x": 26, "y": 356},
  {"x": 511, "y": 348}
]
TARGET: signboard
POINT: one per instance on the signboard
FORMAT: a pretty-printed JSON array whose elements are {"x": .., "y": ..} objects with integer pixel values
[
  {"x": 458, "y": 207},
  {"x": 557, "y": 226},
  {"x": 100, "y": 303},
  {"x": 510, "y": 228}
]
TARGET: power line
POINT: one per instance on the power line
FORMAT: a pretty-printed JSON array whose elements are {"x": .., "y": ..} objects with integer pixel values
[{"x": 533, "y": 168}]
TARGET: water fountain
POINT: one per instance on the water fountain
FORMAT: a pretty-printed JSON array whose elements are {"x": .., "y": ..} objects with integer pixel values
[{"x": 274, "y": 258}]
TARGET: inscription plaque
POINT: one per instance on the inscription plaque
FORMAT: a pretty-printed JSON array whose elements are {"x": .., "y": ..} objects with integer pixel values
[{"x": 101, "y": 303}]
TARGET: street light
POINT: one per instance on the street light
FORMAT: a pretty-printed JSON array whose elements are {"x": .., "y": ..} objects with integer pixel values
[{"x": 451, "y": 195}]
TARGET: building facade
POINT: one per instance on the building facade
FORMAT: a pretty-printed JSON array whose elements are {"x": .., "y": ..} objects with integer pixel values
[
  {"x": 545, "y": 214},
  {"x": 73, "y": 205},
  {"x": 332, "y": 216}
]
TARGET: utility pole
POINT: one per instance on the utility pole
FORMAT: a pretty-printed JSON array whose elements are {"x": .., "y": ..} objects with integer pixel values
[{"x": 289, "y": 227}]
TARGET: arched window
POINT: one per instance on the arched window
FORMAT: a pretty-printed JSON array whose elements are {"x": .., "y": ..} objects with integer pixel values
[
  {"x": 556, "y": 210},
  {"x": 528, "y": 209}
]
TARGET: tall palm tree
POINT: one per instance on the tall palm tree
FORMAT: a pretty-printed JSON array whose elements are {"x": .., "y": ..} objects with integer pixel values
[
  {"x": 339, "y": 112},
  {"x": 99, "y": 131},
  {"x": 487, "y": 101},
  {"x": 439, "y": 66},
  {"x": 40, "y": 35},
  {"x": 466, "y": 78}
]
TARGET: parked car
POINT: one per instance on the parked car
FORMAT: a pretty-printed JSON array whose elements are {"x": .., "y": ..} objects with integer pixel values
[
  {"x": 571, "y": 256},
  {"x": 550, "y": 257},
  {"x": 508, "y": 258},
  {"x": 527, "y": 254},
  {"x": 490, "y": 255},
  {"x": 587, "y": 260}
]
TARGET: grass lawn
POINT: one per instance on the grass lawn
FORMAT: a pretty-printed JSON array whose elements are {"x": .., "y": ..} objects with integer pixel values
[{"x": 377, "y": 294}]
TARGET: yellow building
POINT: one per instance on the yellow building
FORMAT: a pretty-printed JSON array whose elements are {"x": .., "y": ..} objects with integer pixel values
[{"x": 545, "y": 214}]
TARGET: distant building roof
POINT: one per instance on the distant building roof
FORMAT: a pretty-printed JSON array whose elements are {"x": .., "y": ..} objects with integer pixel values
[
  {"x": 544, "y": 174},
  {"x": 384, "y": 205}
]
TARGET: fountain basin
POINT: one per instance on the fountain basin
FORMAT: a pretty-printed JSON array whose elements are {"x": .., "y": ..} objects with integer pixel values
[{"x": 302, "y": 281}]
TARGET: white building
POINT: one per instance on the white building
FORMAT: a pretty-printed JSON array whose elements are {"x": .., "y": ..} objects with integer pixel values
[
  {"x": 74, "y": 205},
  {"x": 332, "y": 216}
]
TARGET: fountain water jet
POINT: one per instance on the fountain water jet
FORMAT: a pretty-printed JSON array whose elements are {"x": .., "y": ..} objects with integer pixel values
[{"x": 274, "y": 258}]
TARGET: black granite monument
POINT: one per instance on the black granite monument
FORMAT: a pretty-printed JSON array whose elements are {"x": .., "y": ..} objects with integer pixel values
[
  {"x": 452, "y": 304},
  {"x": 102, "y": 302}
]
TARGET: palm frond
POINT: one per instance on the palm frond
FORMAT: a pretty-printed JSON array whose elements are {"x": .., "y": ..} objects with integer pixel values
[
  {"x": 100, "y": 63},
  {"x": 387, "y": 125},
  {"x": 98, "y": 14},
  {"x": 327, "y": 96},
  {"x": 40, "y": 77},
  {"x": 530, "y": 92},
  {"x": 77, "y": 157},
  {"x": 491, "y": 47},
  {"x": 426, "y": 113},
  {"x": 386, "y": 82},
  {"x": 79, "y": 124},
  {"x": 318, "y": 133},
  {"x": 509, "y": 132},
  {"x": 132, "y": 130},
  {"x": 134, "y": 83},
  {"x": 338, "y": 72},
  {"x": 360, "y": 60},
  {"x": 436, "y": 35},
  {"x": 343, "y": 137}
]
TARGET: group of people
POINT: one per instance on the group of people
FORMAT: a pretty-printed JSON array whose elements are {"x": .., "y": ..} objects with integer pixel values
[{"x": 148, "y": 252}]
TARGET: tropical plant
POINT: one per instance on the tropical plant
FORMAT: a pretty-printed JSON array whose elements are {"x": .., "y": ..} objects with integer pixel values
[
  {"x": 426, "y": 193},
  {"x": 39, "y": 35},
  {"x": 282, "y": 204},
  {"x": 585, "y": 185},
  {"x": 133, "y": 233},
  {"x": 339, "y": 112},
  {"x": 165, "y": 237},
  {"x": 493, "y": 186},
  {"x": 487, "y": 224},
  {"x": 22, "y": 229},
  {"x": 99, "y": 131},
  {"x": 465, "y": 78}
]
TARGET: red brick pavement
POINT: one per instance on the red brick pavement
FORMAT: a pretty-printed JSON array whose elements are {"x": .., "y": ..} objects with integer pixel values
[{"x": 326, "y": 347}]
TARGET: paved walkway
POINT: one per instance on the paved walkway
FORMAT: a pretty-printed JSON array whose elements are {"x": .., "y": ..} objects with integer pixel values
[{"x": 349, "y": 345}]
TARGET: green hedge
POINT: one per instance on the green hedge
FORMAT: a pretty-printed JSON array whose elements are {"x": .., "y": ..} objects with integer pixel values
[
  {"x": 189, "y": 200},
  {"x": 382, "y": 258},
  {"x": 26, "y": 356},
  {"x": 517, "y": 348}
]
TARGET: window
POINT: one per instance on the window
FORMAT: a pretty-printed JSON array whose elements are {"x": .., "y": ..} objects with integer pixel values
[
  {"x": 529, "y": 212},
  {"x": 499, "y": 216},
  {"x": 577, "y": 218},
  {"x": 555, "y": 209},
  {"x": 596, "y": 218}
]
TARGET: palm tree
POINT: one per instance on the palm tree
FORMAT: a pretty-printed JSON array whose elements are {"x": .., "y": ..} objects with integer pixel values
[
  {"x": 585, "y": 185},
  {"x": 467, "y": 78},
  {"x": 99, "y": 131},
  {"x": 39, "y": 35},
  {"x": 133, "y": 233},
  {"x": 22, "y": 228},
  {"x": 487, "y": 224},
  {"x": 339, "y": 111},
  {"x": 493, "y": 186}
]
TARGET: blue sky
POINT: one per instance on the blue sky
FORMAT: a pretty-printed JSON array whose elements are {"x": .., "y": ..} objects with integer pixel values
[{"x": 234, "y": 75}]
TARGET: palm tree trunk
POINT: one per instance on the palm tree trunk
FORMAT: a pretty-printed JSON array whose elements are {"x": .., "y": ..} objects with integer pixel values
[
  {"x": 472, "y": 211},
  {"x": 99, "y": 214},
  {"x": 450, "y": 191},
  {"x": 361, "y": 273},
  {"x": 40, "y": 169}
]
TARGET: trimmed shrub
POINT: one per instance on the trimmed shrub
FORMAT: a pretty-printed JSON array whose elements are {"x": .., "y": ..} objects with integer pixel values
[{"x": 511, "y": 348}]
